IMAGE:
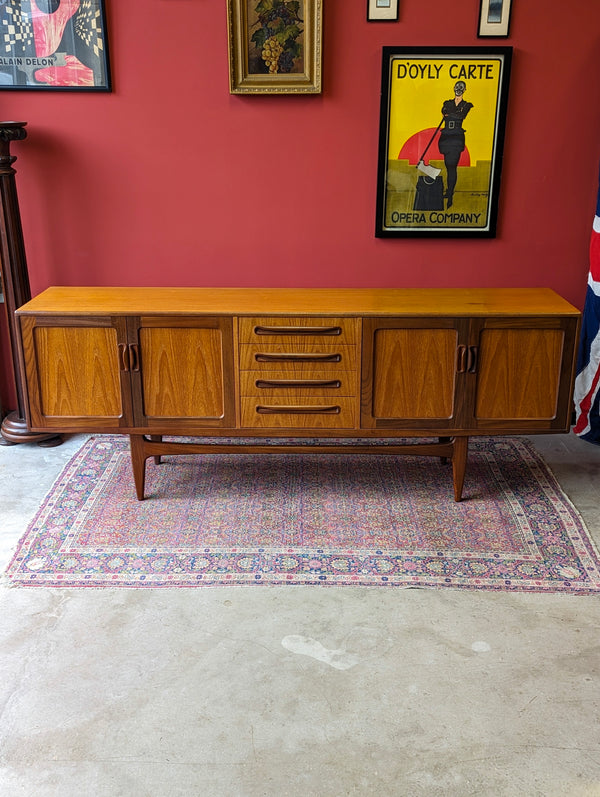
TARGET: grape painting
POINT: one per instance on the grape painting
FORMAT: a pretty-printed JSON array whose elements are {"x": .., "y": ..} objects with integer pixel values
[{"x": 276, "y": 31}]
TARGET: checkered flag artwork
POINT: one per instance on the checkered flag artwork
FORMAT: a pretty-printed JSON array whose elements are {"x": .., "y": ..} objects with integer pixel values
[
  {"x": 88, "y": 27},
  {"x": 17, "y": 32}
]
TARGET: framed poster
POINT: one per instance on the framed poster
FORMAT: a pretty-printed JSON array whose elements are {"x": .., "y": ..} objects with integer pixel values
[
  {"x": 494, "y": 18},
  {"x": 48, "y": 44},
  {"x": 274, "y": 46},
  {"x": 441, "y": 138}
]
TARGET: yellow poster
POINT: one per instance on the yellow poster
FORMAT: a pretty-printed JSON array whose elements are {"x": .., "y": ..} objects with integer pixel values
[{"x": 441, "y": 138}]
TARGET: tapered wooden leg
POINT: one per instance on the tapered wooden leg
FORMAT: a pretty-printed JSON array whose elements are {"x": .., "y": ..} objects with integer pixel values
[
  {"x": 138, "y": 463},
  {"x": 156, "y": 438},
  {"x": 459, "y": 465}
]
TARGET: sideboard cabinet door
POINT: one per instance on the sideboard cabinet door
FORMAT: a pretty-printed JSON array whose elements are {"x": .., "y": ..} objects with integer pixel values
[
  {"x": 183, "y": 372},
  {"x": 412, "y": 372},
  {"x": 520, "y": 373},
  {"x": 76, "y": 372}
]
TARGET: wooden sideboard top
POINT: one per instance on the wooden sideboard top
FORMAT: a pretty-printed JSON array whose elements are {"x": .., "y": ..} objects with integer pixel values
[{"x": 298, "y": 301}]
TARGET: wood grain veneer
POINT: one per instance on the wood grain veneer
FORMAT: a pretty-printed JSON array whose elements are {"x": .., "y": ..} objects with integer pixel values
[{"x": 266, "y": 302}]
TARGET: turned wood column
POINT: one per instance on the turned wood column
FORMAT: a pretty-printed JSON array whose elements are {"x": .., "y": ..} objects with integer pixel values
[{"x": 15, "y": 279}]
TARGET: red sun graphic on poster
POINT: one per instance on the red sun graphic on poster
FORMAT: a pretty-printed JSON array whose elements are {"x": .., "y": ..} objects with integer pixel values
[{"x": 414, "y": 147}]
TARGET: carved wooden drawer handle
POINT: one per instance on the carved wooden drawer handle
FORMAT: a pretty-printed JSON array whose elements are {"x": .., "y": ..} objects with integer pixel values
[
  {"x": 269, "y": 383},
  {"x": 297, "y": 330},
  {"x": 304, "y": 358},
  {"x": 332, "y": 410}
]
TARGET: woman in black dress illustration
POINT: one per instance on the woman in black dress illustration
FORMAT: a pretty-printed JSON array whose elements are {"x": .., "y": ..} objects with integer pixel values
[{"x": 452, "y": 137}]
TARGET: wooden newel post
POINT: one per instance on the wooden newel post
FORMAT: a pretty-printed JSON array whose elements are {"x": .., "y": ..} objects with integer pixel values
[{"x": 15, "y": 279}]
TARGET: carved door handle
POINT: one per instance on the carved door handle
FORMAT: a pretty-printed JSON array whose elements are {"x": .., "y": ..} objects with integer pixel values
[
  {"x": 472, "y": 359},
  {"x": 129, "y": 357},
  {"x": 134, "y": 351},
  {"x": 124, "y": 363}
]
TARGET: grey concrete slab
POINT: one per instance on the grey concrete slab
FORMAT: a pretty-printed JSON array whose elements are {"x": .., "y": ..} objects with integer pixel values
[{"x": 301, "y": 691}]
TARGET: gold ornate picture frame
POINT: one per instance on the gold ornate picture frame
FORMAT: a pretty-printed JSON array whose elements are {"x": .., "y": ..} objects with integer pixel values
[{"x": 274, "y": 46}]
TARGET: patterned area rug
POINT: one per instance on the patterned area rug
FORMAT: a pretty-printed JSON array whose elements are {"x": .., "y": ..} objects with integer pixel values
[{"x": 362, "y": 520}]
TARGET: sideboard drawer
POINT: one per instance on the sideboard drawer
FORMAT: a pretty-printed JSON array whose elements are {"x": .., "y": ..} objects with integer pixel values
[
  {"x": 280, "y": 383},
  {"x": 299, "y": 412},
  {"x": 304, "y": 357},
  {"x": 295, "y": 329}
]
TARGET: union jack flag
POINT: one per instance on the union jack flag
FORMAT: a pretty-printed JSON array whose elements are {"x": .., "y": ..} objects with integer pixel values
[{"x": 587, "y": 381}]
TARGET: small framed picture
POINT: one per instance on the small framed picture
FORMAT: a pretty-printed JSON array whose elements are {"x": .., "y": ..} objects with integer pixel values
[
  {"x": 382, "y": 10},
  {"x": 494, "y": 18}
]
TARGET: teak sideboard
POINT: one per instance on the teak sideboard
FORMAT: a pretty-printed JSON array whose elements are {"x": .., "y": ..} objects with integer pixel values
[{"x": 367, "y": 364}]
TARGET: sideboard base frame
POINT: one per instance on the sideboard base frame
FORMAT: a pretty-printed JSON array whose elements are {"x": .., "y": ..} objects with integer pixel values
[{"x": 143, "y": 447}]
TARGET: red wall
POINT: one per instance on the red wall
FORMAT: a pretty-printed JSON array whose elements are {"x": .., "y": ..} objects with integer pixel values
[{"x": 170, "y": 180}]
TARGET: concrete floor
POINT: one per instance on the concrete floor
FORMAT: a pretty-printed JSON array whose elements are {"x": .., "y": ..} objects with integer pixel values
[{"x": 296, "y": 691}]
